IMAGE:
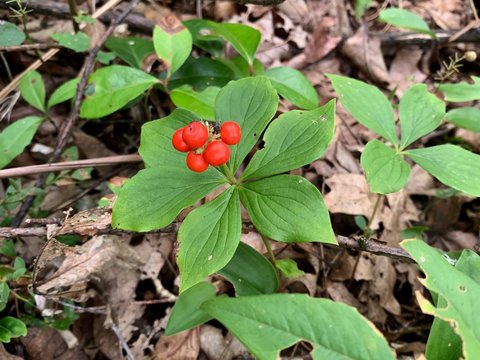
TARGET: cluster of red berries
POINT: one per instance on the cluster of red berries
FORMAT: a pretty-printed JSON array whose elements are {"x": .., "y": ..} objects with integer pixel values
[{"x": 205, "y": 146}]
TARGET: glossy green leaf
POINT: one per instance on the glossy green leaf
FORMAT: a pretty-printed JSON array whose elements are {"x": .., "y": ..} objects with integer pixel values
[
  {"x": 201, "y": 73},
  {"x": 467, "y": 118},
  {"x": 250, "y": 272},
  {"x": 112, "y": 88},
  {"x": 293, "y": 140},
  {"x": 420, "y": 113},
  {"x": 11, "y": 327},
  {"x": 208, "y": 238},
  {"x": 10, "y": 34},
  {"x": 105, "y": 57},
  {"x": 186, "y": 312},
  {"x": 385, "y": 169},
  {"x": 4, "y": 292},
  {"x": 78, "y": 42},
  {"x": 172, "y": 42},
  {"x": 16, "y": 136},
  {"x": 462, "y": 91},
  {"x": 459, "y": 290},
  {"x": 155, "y": 196},
  {"x": 367, "y": 105},
  {"x": 266, "y": 324},
  {"x": 361, "y": 6},
  {"x": 204, "y": 36},
  {"x": 251, "y": 103},
  {"x": 293, "y": 86},
  {"x": 405, "y": 19},
  {"x": 132, "y": 50},
  {"x": 32, "y": 89},
  {"x": 241, "y": 68},
  {"x": 289, "y": 268},
  {"x": 443, "y": 343},
  {"x": 64, "y": 92},
  {"x": 287, "y": 208},
  {"x": 156, "y": 147},
  {"x": 452, "y": 165},
  {"x": 243, "y": 38},
  {"x": 200, "y": 103}
]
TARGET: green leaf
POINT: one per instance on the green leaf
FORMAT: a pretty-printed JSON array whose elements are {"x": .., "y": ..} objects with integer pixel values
[
  {"x": 15, "y": 137},
  {"x": 204, "y": 36},
  {"x": 467, "y": 118},
  {"x": 10, "y": 34},
  {"x": 7, "y": 248},
  {"x": 420, "y": 113},
  {"x": 413, "y": 232},
  {"x": 4, "y": 292},
  {"x": 293, "y": 140},
  {"x": 156, "y": 139},
  {"x": 201, "y": 73},
  {"x": 266, "y": 324},
  {"x": 443, "y": 343},
  {"x": 32, "y": 88},
  {"x": 78, "y": 42},
  {"x": 243, "y": 38},
  {"x": 11, "y": 327},
  {"x": 208, "y": 238},
  {"x": 113, "y": 87},
  {"x": 293, "y": 86},
  {"x": 64, "y": 92},
  {"x": 172, "y": 42},
  {"x": 385, "y": 169},
  {"x": 251, "y": 103},
  {"x": 360, "y": 7},
  {"x": 250, "y": 273},
  {"x": 155, "y": 196},
  {"x": 241, "y": 68},
  {"x": 452, "y": 165},
  {"x": 186, "y": 312},
  {"x": 289, "y": 268},
  {"x": 105, "y": 57},
  {"x": 462, "y": 91},
  {"x": 200, "y": 103},
  {"x": 132, "y": 50},
  {"x": 459, "y": 290},
  {"x": 367, "y": 105},
  {"x": 405, "y": 19},
  {"x": 287, "y": 208}
]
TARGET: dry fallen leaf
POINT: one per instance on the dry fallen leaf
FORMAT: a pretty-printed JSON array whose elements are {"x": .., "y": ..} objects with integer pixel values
[
  {"x": 182, "y": 346},
  {"x": 404, "y": 71},
  {"x": 218, "y": 346}
]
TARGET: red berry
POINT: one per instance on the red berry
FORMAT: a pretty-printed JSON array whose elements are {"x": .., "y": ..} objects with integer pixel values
[
  {"x": 195, "y": 134},
  {"x": 230, "y": 132},
  {"x": 217, "y": 153},
  {"x": 178, "y": 143},
  {"x": 196, "y": 162}
]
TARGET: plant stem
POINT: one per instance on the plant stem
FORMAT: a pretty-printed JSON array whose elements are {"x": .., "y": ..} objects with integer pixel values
[
  {"x": 72, "y": 4},
  {"x": 366, "y": 231},
  {"x": 228, "y": 173},
  {"x": 271, "y": 255}
]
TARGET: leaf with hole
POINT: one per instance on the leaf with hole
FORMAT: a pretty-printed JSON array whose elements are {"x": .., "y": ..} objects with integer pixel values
[
  {"x": 385, "y": 169},
  {"x": 250, "y": 272},
  {"x": 287, "y": 208},
  {"x": 186, "y": 312},
  {"x": 367, "y": 105},
  {"x": 32, "y": 89},
  {"x": 294, "y": 139},
  {"x": 266, "y": 324},
  {"x": 208, "y": 238},
  {"x": 452, "y": 165},
  {"x": 460, "y": 291},
  {"x": 200, "y": 103},
  {"x": 293, "y": 86},
  {"x": 251, "y": 103},
  {"x": 113, "y": 88},
  {"x": 420, "y": 113},
  {"x": 16, "y": 136}
]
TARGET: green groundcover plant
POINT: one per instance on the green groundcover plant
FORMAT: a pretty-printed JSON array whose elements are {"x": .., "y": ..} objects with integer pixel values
[{"x": 209, "y": 91}]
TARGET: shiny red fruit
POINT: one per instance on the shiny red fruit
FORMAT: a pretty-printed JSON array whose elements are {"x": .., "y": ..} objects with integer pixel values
[
  {"x": 230, "y": 133},
  {"x": 195, "y": 134},
  {"x": 217, "y": 153},
  {"x": 196, "y": 162},
  {"x": 178, "y": 143}
]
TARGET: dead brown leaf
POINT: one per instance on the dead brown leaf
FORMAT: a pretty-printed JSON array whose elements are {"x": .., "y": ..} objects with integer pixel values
[
  {"x": 218, "y": 346},
  {"x": 182, "y": 346},
  {"x": 404, "y": 71}
]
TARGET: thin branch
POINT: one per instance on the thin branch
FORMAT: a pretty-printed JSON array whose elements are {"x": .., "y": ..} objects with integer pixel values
[
  {"x": 26, "y": 47},
  {"x": 360, "y": 244},
  {"x": 68, "y": 165}
]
